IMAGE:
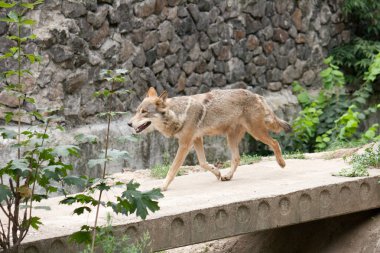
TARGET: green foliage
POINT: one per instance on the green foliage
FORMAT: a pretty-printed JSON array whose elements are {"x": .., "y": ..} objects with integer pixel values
[
  {"x": 110, "y": 243},
  {"x": 130, "y": 201},
  {"x": 333, "y": 116},
  {"x": 244, "y": 160},
  {"x": 361, "y": 162},
  {"x": 160, "y": 170},
  {"x": 294, "y": 155}
]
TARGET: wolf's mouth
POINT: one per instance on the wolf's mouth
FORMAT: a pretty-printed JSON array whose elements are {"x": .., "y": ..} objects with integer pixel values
[{"x": 142, "y": 127}]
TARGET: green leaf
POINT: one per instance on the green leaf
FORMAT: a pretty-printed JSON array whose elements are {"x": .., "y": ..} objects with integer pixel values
[
  {"x": 74, "y": 180},
  {"x": 66, "y": 150},
  {"x": 80, "y": 210},
  {"x": 28, "y": 22},
  {"x": 8, "y": 117},
  {"x": 3, "y": 4},
  {"x": 13, "y": 16},
  {"x": 5, "y": 192},
  {"x": 114, "y": 154},
  {"x": 81, "y": 237},
  {"x": 33, "y": 222}
]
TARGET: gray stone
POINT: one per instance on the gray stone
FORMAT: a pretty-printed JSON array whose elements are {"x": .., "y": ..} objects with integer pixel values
[
  {"x": 151, "y": 56},
  {"x": 6, "y": 44},
  {"x": 260, "y": 60},
  {"x": 127, "y": 50},
  {"x": 185, "y": 26},
  {"x": 252, "y": 25},
  {"x": 151, "y": 40},
  {"x": 325, "y": 14},
  {"x": 297, "y": 19},
  {"x": 145, "y": 8},
  {"x": 78, "y": 45},
  {"x": 125, "y": 27},
  {"x": 212, "y": 32},
  {"x": 109, "y": 48},
  {"x": 252, "y": 42},
  {"x": 293, "y": 72},
  {"x": 204, "y": 41},
  {"x": 152, "y": 22},
  {"x": 99, "y": 36},
  {"x": 285, "y": 21},
  {"x": 94, "y": 58},
  {"x": 280, "y": 35},
  {"x": 236, "y": 70},
  {"x": 163, "y": 49},
  {"x": 308, "y": 78},
  {"x": 166, "y": 31},
  {"x": 73, "y": 9},
  {"x": 10, "y": 98},
  {"x": 96, "y": 19},
  {"x": 189, "y": 67},
  {"x": 60, "y": 53},
  {"x": 256, "y": 8},
  {"x": 267, "y": 32},
  {"x": 203, "y": 22},
  {"x": 274, "y": 75},
  {"x": 282, "y": 61},
  {"x": 170, "y": 60},
  {"x": 140, "y": 58},
  {"x": 201, "y": 67},
  {"x": 190, "y": 41},
  {"x": 219, "y": 80},
  {"x": 174, "y": 73},
  {"x": 194, "y": 80},
  {"x": 75, "y": 81},
  {"x": 195, "y": 52},
  {"x": 283, "y": 6},
  {"x": 205, "y": 5},
  {"x": 175, "y": 44},
  {"x": 158, "y": 66},
  {"x": 120, "y": 14},
  {"x": 138, "y": 35},
  {"x": 194, "y": 11},
  {"x": 182, "y": 12}
]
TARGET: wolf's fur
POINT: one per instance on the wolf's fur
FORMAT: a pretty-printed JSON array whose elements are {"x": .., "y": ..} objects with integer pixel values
[{"x": 218, "y": 112}]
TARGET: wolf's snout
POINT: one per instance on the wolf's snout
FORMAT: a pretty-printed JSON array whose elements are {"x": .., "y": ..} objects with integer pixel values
[{"x": 130, "y": 124}]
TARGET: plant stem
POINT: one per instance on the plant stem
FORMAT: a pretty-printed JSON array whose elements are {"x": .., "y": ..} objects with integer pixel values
[{"x": 104, "y": 174}]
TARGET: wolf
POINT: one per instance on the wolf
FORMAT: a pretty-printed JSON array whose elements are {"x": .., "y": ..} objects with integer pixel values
[{"x": 230, "y": 112}]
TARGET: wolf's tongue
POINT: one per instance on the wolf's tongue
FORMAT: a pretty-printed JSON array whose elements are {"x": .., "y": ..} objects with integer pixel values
[{"x": 142, "y": 127}]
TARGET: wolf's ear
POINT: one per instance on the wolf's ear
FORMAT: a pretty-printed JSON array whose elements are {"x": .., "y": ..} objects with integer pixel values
[
  {"x": 164, "y": 95},
  {"x": 152, "y": 92}
]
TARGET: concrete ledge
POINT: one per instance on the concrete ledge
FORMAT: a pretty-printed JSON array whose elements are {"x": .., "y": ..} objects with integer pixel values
[{"x": 197, "y": 208}]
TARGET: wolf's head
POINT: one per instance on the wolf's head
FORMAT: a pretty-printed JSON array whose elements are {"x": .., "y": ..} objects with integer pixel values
[{"x": 149, "y": 112}]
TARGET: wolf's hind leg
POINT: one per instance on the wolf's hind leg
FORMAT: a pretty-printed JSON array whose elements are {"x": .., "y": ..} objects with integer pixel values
[
  {"x": 233, "y": 139},
  {"x": 199, "y": 149},
  {"x": 183, "y": 150},
  {"x": 262, "y": 135}
]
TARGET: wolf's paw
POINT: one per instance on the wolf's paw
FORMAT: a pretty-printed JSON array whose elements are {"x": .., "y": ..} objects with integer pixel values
[{"x": 226, "y": 178}]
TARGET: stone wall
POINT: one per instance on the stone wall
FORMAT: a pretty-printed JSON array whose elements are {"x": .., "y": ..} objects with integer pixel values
[{"x": 184, "y": 47}]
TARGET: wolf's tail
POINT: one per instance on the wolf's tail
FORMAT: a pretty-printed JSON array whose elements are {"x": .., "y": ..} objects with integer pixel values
[{"x": 277, "y": 125}]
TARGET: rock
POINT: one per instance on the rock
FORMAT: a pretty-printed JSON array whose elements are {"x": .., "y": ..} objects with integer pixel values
[
  {"x": 60, "y": 53},
  {"x": 120, "y": 14},
  {"x": 166, "y": 31},
  {"x": 170, "y": 60},
  {"x": 109, "y": 48},
  {"x": 204, "y": 41},
  {"x": 23, "y": 115},
  {"x": 163, "y": 49},
  {"x": 10, "y": 98},
  {"x": 293, "y": 72},
  {"x": 181, "y": 83},
  {"x": 75, "y": 81},
  {"x": 186, "y": 27},
  {"x": 280, "y": 35},
  {"x": 201, "y": 67},
  {"x": 252, "y": 25},
  {"x": 140, "y": 58},
  {"x": 268, "y": 47},
  {"x": 236, "y": 70},
  {"x": 194, "y": 80},
  {"x": 194, "y": 11},
  {"x": 96, "y": 19},
  {"x": 145, "y": 8},
  {"x": 203, "y": 22},
  {"x": 94, "y": 58},
  {"x": 297, "y": 19},
  {"x": 308, "y": 78},
  {"x": 256, "y": 8},
  {"x": 158, "y": 66},
  {"x": 6, "y": 44},
  {"x": 274, "y": 75},
  {"x": 151, "y": 22},
  {"x": 219, "y": 80},
  {"x": 174, "y": 73},
  {"x": 127, "y": 50},
  {"x": 99, "y": 36},
  {"x": 260, "y": 60},
  {"x": 189, "y": 67},
  {"x": 150, "y": 40},
  {"x": 78, "y": 45},
  {"x": 252, "y": 42},
  {"x": 267, "y": 32},
  {"x": 72, "y": 105},
  {"x": 284, "y": 6},
  {"x": 325, "y": 14},
  {"x": 73, "y": 9},
  {"x": 195, "y": 52}
]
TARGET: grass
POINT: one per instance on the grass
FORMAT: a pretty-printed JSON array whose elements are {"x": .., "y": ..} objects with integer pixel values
[
  {"x": 361, "y": 162},
  {"x": 294, "y": 155},
  {"x": 160, "y": 171},
  {"x": 244, "y": 160}
]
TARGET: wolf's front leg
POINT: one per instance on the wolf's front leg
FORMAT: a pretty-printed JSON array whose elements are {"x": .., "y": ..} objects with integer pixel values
[
  {"x": 182, "y": 152},
  {"x": 199, "y": 149}
]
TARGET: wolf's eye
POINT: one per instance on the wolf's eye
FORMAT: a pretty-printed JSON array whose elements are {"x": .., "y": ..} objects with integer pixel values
[{"x": 143, "y": 111}]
